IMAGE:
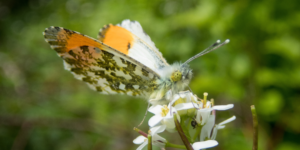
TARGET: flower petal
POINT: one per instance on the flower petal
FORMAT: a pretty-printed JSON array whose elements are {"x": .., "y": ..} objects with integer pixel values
[
  {"x": 205, "y": 110},
  {"x": 171, "y": 114},
  {"x": 206, "y": 129},
  {"x": 169, "y": 122},
  {"x": 204, "y": 115},
  {"x": 142, "y": 145},
  {"x": 139, "y": 140},
  {"x": 170, "y": 117},
  {"x": 223, "y": 107},
  {"x": 157, "y": 129},
  {"x": 158, "y": 141},
  {"x": 173, "y": 101},
  {"x": 227, "y": 121},
  {"x": 155, "y": 109},
  {"x": 220, "y": 127},
  {"x": 214, "y": 133},
  {"x": 208, "y": 104},
  {"x": 205, "y": 144},
  {"x": 154, "y": 120},
  {"x": 184, "y": 106}
]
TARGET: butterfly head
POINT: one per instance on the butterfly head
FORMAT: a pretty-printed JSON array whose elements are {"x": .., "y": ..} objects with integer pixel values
[
  {"x": 181, "y": 75},
  {"x": 176, "y": 76}
]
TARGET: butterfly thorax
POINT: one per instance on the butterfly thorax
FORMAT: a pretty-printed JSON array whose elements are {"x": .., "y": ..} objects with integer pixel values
[{"x": 174, "y": 78}]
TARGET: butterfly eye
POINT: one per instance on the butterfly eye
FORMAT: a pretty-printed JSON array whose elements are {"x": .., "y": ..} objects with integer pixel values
[{"x": 176, "y": 76}]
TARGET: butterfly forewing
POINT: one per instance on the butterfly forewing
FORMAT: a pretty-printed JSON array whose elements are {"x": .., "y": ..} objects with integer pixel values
[
  {"x": 130, "y": 38},
  {"x": 103, "y": 68}
]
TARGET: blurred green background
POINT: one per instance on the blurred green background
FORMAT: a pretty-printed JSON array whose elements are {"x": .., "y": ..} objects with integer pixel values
[{"x": 43, "y": 107}]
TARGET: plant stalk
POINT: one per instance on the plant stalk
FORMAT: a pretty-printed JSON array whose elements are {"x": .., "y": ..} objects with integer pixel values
[
  {"x": 149, "y": 142},
  {"x": 255, "y": 128},
  {"x": 181, "y": 133}
]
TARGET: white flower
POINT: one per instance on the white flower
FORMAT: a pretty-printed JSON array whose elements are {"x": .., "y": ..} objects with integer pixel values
[
  {"x": 184, "y": 97},
  {"x": 204, "y": 111},
  {"x": 156, "y": 139},
  {"x": 221, "y": 126},
  {"x": 183, "y": 103},
  {"x": 209, "y": 130},
  {"x": 186, "y": 103},
  {"x": 163, "y": 115},
  {"x": 205, "y": 144}
]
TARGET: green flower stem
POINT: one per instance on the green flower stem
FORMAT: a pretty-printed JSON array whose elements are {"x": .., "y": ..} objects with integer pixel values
[
  {"x": 196, "y": 135},
  {"x": 185, "y": 127},
  {"x": 255, "y": 128},
  {"x": 175, "y": 145},
  {"x": 181, "y": 133},
  {"x": 149, "y": 142}
]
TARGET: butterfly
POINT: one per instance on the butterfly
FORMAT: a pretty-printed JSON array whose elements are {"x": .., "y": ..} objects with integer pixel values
[{"x": 122, "y": 60}]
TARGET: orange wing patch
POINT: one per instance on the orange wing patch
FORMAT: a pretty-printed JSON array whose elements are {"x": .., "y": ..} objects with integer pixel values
[
  {"x": 63, "y": 40},
  {"x": 75, "y": 48},
  {"x": 117, "y": 38}
]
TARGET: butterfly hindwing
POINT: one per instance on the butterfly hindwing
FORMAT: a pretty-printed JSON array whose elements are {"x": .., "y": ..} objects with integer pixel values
[{"x": 102, "y": 67}]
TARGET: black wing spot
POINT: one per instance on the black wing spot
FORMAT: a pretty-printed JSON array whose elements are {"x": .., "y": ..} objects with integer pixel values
[
  {"x": 84, "y": 48},
  {"x": 101, "y": 35},
  {"x": 69, "y": 32},
  {"x": 128, "y": 46},
  {"x": 57, "y": 28}
]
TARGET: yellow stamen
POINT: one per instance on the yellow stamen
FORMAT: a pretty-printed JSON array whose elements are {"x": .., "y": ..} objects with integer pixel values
[
  {"x": 212, "y": 102},
  {"x": 164, "y": 110},
  {"x": 204, "y": 99}
]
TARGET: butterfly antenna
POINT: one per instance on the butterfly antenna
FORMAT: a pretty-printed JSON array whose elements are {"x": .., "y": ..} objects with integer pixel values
[
  {"x": 214, "y": 46},
  {"x": 144, "y": 115}
]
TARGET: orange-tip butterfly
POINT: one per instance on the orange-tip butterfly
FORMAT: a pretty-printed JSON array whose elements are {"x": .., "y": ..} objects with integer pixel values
[{"x": 122, "y": 60}]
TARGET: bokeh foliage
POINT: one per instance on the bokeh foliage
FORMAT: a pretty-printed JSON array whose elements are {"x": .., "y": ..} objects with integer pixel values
[{"x": 43, "y": 107}]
